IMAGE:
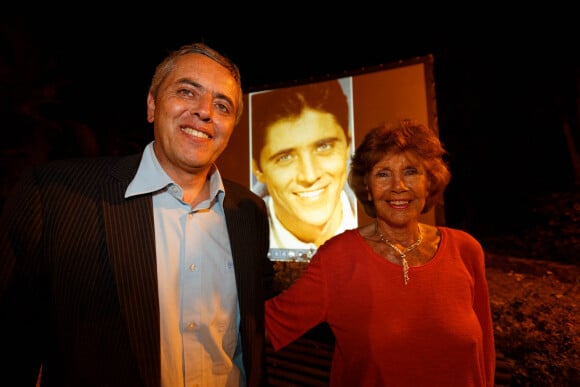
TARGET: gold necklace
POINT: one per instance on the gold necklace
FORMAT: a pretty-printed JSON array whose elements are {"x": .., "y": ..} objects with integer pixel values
[{"x": 403, "y": 254}]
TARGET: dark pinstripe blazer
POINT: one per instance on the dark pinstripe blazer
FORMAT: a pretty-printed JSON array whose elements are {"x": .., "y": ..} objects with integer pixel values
[{"x": 78, "y": 277}]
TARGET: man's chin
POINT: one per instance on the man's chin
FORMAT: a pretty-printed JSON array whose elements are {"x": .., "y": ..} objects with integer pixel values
[{"x": 310, "y": 221}]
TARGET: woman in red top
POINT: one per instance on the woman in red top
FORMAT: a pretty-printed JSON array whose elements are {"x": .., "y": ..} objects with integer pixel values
[{"x": 407, "y": 302}]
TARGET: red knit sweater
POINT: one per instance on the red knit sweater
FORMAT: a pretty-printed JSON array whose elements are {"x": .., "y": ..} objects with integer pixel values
[{"x": 434, "y": 331}]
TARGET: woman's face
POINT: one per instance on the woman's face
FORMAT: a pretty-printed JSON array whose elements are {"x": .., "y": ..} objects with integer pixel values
[
  {"x": 398, "y": 187},
  {"x": 304, "y": 166}
]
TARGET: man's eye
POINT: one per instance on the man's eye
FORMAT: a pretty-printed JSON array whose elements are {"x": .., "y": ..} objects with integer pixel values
[
  {"x": 324, "y": 147},
  {"x": 284, "y": 158},
  {"x": 223, "y": 107},
  {"x": 185, "y": 92}
]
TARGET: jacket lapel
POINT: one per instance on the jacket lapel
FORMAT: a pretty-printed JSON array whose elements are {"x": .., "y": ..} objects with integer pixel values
[{"x": 130, "y": 238}]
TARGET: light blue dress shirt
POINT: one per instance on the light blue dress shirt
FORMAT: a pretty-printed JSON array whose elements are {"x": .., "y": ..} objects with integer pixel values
[{"x": 199, "y": 312}]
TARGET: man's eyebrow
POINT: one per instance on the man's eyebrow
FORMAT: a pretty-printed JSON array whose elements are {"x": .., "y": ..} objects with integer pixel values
[
  {"x": 190, "y": 82},
  {"x": 327, "y": 139}
]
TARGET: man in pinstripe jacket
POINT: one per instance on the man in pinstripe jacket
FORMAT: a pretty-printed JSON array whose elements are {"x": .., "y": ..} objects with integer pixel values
[{"x": 143, "y": 270}]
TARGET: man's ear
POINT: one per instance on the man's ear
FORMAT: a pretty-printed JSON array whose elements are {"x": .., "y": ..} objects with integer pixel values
[
  {"x": 150, "y": 108},
  {"x": 256, "y": 171}
]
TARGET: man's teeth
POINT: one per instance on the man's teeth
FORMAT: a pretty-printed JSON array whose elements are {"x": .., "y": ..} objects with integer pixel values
[
  {"x": 195, "y": 133},
  {"x": 310, "y": 194}
]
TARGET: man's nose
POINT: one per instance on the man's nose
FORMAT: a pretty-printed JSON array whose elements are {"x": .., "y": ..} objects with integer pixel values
[
  {"x": 203, "y": 107},
  {"x": 308, "y": 169}
]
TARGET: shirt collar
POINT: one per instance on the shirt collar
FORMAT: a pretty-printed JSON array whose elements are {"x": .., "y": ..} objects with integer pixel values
[{"x": 151, "y": 177}]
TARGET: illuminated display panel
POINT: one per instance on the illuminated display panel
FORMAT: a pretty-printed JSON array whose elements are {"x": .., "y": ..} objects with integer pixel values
[{"x": 385, "y": 93}]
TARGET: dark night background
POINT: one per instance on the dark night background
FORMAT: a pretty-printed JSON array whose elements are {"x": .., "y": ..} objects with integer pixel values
[{"x": 506, "y": 90}]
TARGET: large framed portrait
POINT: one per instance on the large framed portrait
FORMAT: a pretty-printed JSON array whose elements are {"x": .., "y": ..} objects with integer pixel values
[{"x": 294, "y": 143}]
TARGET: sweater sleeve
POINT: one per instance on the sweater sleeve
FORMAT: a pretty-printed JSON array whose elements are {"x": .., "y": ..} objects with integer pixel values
[
  {"x": 474, "y": 256},
  {"x": 301, "y": 307},
  {"x": 481, "y": 305}
]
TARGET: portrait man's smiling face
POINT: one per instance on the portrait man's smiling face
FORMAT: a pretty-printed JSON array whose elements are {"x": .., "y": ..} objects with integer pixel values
[{"x": 304, "y": 165}]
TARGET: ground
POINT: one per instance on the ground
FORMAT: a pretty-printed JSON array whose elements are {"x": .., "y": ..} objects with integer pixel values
[
  {"x": 535, "y": 307},
  {"x": 534, "y": 285}
]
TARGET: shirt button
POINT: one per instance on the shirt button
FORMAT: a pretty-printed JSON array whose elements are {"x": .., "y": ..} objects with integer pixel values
[
  {"x": 192, "y": 267},
  {"x": 190, "y": 326}
]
